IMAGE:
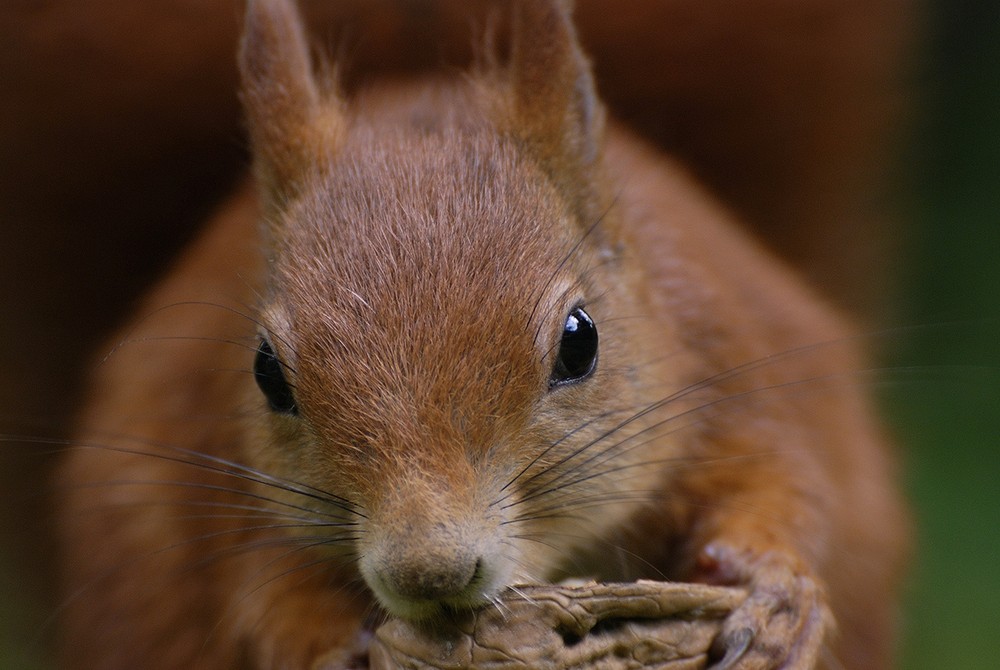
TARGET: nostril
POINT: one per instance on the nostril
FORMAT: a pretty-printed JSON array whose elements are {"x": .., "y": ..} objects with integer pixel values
[
  {"x": 420, "y": 570},
  {"x": 434, "y": 578}
]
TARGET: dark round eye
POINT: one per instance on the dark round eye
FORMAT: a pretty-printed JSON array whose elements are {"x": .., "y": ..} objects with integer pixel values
[
  {"x": 577, "y": 349},
  {"x": 270, "y": 377}
]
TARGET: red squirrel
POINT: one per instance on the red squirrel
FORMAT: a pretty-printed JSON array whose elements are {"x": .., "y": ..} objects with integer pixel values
[{"x": 461, "y": 334}]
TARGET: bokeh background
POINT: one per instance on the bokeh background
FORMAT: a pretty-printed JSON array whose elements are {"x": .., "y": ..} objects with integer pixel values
[
  {"x": 942, "y": 384},
  {"x": 948, "y": 409}
]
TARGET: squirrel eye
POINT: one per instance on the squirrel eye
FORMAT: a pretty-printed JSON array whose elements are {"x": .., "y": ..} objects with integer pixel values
[
  {"x": 577, "y": 355},
  {"x": 269, "y": 374}
]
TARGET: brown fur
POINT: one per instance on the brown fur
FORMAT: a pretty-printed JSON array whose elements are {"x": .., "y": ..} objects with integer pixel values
[{"x": 418, "y": 251}]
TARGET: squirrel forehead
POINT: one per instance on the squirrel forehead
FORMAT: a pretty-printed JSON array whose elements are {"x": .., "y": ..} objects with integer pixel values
[
  {"x": 414, "y": 246},
  {"x": 424, "y": 187},
  {"x": 416, "y": 275},
  {"x": 413, "y": 217}
]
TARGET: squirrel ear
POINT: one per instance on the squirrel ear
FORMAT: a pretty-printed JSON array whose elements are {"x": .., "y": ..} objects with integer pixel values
[
  {"x": 556, "y": 109},
  {"x": 290, "y": 125}
]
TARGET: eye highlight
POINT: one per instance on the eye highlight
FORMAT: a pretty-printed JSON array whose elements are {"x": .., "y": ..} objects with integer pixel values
[
  {"x": 577, "y": 356},
  {"x": 269, "y": 374}
]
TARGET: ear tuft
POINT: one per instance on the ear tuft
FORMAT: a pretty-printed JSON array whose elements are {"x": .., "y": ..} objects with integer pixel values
[
  {"x": 290, "y": 125},
  {"x": 556, "y": 108}
]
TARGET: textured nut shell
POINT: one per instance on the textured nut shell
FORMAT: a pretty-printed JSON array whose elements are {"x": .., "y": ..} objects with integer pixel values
[{"x": 608, "y": 626}]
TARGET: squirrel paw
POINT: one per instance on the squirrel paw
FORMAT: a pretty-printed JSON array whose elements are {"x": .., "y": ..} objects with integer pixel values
[{"x": 782, "y": 624}]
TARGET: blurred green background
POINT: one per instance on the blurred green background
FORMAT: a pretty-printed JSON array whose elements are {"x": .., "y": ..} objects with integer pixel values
[
  {"x": 944, "y": 394},
  {"x": 948, "y": 415}
]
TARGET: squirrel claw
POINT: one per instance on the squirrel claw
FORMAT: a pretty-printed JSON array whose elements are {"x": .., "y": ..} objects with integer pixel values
[
  {"x": 782, "y": 624},
  {"x": 731, "y": 648}
]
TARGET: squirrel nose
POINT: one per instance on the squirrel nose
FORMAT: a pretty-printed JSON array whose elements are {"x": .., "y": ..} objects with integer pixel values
[
  {"x": 437, "y": 577},
  {"x": 415, "y": 572}
]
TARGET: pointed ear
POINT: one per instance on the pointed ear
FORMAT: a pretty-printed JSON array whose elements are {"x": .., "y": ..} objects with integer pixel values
[
  {"x": 291, "y": 126},
  {"x": 556, "y": 109}
]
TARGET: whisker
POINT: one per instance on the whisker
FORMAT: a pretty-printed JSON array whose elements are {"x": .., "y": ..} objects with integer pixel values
[
  {"x": 225, "y": 552},
  {"x": 302, "y": 567},
  {"x": 574, "y": 501},
  {"x": 252, "y": 511},
  {"x": 650, "y": 570},
  {"x": 612, "y": 450},
  {"x": 201, "y": 486},
  {"x": 141, "y": 321},
  {"x": 220, "y": 465},
  {"x": 299, "y": 543},
  {"x": 565, "y": 259},
  {"x": 498, "y": 604},
  {"x": 553, "y": 446}
]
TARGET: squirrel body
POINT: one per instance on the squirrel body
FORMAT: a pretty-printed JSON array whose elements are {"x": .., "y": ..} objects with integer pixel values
[{"x": 364, "y": 388}]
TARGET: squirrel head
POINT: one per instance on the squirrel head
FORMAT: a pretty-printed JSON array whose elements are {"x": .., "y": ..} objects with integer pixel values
[{"x": 428, "y": 341}]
